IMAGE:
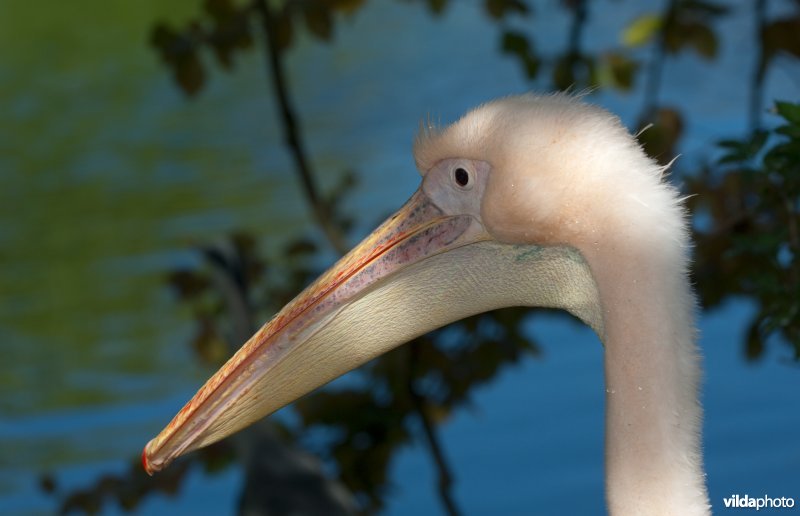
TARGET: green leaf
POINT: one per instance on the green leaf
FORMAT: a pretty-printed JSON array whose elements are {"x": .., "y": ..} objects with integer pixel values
[
  {"x": 563, "y": 74},
  {"x": 517, "y": 44},
  {"x": 781, "y": 36},
  {"x": 758, "y": 140},
  {"x": 300, "y": 247},
  {"x": 498, "y": 9},
  {"x": 219, "y": 9},
  {"x": 730, "y": 144},
  {"x": 348, "y": 6},
  {"x": 573, "y": 70},
  {"x": 789, "y": 111},
  {"x": 514, "y": 43},
  {"x": 792, "y": 131},
  {"x": 705, "y": 8},
  {"x": 284, "y": 30},
  {"x": 319, "y": 21},
  {"x": 661, "y": 139},
  {"x": 437, "y": 7},
  {"x": 531, "y": 66},
  {"x": 642, "y": 30},
  {"x": 703, "y": 39},
  {"x": 188, "y": 284},
  {"x": 617, "y": 70},
  {"x": 754, "y": 344},
  {"x": 682, "y": 33},
  {"x": 189, "y": 74}
]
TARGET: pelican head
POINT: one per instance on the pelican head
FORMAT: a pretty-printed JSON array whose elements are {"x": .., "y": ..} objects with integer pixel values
[{"x": 525, "y": 201}]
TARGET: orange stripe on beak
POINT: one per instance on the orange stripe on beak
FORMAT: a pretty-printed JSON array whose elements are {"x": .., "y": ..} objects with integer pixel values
[{"x": 235, "y": 396}]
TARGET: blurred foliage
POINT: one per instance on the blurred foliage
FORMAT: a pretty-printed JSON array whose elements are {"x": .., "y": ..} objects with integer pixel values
[
  {"x": 226, "y": 27},
  {"x": 687, "y": 24},
  {"x": 128, "y": 489},
  {"x": 778, "y": 37},
  {"x": 684, "y": 24},
  {"x": 747, "y": 235},
  {"x": 660, "y": 133},
  {"x": 429, "y": 378},
  {"x": 751, "y": 241}
]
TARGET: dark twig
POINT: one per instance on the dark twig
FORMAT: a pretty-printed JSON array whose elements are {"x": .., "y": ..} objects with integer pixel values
[
  {"x": 757, "y": 84},
  {"x": 579, "y": 16},
  {"x": 277, "y": 473},
  {"x": 656, "y": 68},
  {"x": 295, "y": 143},
  {"x": 290, "y": 128},
  {"x": 445, "y": 476},
  {"x": 573, "y": 59},
  {"x": 335, "y": 237}
]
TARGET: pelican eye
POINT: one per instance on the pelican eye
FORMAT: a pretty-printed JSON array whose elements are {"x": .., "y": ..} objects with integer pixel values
[{"x": 461, "y": 176}]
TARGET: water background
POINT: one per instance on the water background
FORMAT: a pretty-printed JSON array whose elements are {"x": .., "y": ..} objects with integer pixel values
[{"x": 108, "y": 176}]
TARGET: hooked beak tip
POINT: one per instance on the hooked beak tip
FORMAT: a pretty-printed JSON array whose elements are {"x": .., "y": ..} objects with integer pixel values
[
  {"x": 146, "y": 464},
  {"x": 232, "y": 398}
]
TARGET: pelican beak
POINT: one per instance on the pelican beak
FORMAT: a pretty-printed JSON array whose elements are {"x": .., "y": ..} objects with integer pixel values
[{"x": 321, "y": 334}]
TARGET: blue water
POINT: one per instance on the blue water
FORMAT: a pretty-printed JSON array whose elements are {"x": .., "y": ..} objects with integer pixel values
[
  {"x": 534, "y": 443},
  {"x": 110, "y": 175}
]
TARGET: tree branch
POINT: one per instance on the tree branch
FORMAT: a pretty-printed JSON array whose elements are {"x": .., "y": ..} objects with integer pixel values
[
  {"x": 757, "y": 81},
  {"x": 580, "y": 12},
  {"x": 445, "y": 482},
  {"x": 290, "y": 128},
  {"x": 656, "y": 68},
  {"x": 322, "y": 215}
]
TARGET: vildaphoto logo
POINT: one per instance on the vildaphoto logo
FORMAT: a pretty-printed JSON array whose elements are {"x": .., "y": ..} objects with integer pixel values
[{"x": 762, "y": 502}]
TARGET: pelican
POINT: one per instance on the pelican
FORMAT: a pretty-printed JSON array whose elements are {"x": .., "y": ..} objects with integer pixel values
[{"x": 525, "y": 201}]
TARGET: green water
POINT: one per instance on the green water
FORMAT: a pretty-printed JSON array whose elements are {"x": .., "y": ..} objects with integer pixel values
[{"x": 108, "y": 176}]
